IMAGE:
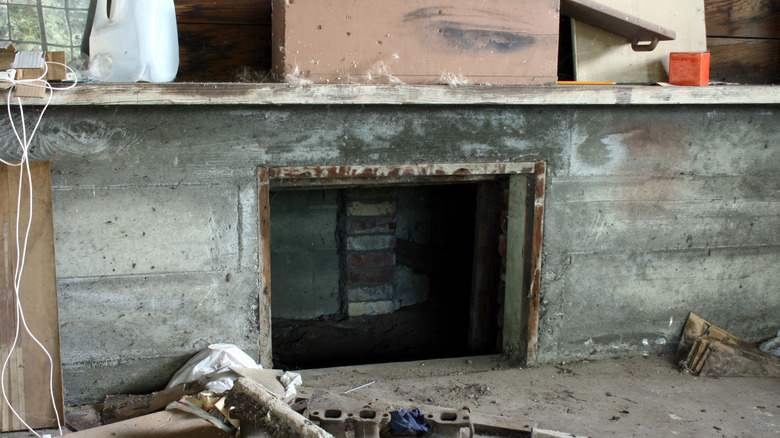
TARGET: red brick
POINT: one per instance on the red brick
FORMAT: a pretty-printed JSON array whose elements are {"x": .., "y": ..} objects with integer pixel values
[
  {"x": 370, "y": 259},
  {"x": 358, "y": 225},
  {"x": 371, "y": 275},
  {"x": 504, "y": 221}
]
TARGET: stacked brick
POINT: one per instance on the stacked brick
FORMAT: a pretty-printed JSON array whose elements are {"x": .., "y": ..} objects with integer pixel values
[{"x": 368, "y": 256}]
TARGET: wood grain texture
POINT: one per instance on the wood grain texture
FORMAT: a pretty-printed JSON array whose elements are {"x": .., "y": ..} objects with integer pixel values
[
  {"x": 416, "y": 42},
  {"x": 224, "y": 41},
  {"x": 743, "y": 18},
  {"x": 28, "y": 381},
  {"x": 264, "y": 234},
  {"x": 745, "y": 61},
  {"x": 285, "y": 94},
  {"x": 223, "y": 11}
]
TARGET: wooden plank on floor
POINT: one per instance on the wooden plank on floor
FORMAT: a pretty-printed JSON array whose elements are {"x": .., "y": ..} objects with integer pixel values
[{"x": 28, "y": 375}]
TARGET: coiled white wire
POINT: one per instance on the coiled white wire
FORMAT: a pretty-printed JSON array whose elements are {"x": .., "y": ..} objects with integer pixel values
[{"x": 21, "y": 250}]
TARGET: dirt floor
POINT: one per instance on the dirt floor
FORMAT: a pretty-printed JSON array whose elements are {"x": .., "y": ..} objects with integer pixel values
[{"x": 634, "y": 397}]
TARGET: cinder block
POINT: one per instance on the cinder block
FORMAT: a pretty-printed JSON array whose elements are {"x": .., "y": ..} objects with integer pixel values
[
  {"x": 378, "y": 292},
  {"x": 367, "y": 208},
  {"x": 369, "y": 243},
  {"x": 371, "y": 308}
]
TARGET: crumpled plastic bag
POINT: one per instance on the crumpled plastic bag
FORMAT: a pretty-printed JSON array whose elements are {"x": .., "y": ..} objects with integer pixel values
[
  {"x": 215, "y": 359},
  {"x": 290, "y": 380},
  {"x": 406, "y": 422},
  {"x": 772, "y": 346}
]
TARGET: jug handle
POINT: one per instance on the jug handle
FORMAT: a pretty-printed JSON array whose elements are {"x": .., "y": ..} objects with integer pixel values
[{"x": 118, "y": 8}]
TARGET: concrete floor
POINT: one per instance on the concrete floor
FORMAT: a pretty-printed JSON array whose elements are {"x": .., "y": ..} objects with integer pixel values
[
  {"x": 634, "y": 397},
  {"x": 643, "y": 396}
]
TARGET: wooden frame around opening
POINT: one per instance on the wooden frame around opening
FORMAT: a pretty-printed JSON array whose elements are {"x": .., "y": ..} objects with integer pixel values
[{"x": 302, "y": 177}]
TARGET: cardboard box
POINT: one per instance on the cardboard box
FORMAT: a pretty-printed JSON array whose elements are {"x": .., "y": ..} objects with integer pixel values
[
  {"x": 416, "y": 41},
  {"x": 9, "y": 55}
]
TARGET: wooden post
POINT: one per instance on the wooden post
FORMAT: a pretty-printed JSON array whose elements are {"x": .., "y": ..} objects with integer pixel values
[
  {"x": 264, "y": 233},
  {"x": 486, "y": 270}
]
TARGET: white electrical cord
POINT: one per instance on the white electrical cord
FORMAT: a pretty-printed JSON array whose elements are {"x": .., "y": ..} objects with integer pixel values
[{"x": 21, "y": 250}]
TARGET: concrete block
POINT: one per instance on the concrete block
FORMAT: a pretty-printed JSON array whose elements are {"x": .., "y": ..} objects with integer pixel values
[
  {"x": 369, "y": 243},
  {"x": 367, "y": 208},
  {"x": 371, "y": 308},
  {"x": 146, "y": 230},
  {"x": 380, "y": 292}
]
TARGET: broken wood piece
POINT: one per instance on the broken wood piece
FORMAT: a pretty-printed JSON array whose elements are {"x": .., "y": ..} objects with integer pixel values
[
  {"x": 83, "y": 417},
  {"x": 168, "y": 424},
  {"x": 122, "y": 407},
  {"x": 714, "y": 352},
  {"x": 697, "y": 327},
  {"x": 256, "y": 404},
  {"x": 724, "y": 360},
  {"x": 643, "y": 34}
]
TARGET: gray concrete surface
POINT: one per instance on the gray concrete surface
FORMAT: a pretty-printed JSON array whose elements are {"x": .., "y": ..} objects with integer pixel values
[{"x": 651, "y": 212}]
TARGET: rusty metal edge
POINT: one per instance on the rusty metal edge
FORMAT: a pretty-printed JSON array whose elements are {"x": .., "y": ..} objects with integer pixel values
[{"x": 399, "y": 170}]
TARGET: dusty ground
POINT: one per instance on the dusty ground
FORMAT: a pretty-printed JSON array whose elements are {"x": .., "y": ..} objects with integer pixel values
[{"x": 636, "y": 397}]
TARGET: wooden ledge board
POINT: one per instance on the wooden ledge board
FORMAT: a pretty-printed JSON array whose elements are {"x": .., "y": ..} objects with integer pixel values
[{"x": 289, "y": 94}]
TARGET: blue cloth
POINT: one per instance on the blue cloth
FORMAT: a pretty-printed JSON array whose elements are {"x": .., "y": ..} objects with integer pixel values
[{"x": 406, "y": 422}]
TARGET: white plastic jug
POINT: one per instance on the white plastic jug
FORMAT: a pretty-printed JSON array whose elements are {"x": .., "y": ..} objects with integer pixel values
[{"x": 138, "y": 41}]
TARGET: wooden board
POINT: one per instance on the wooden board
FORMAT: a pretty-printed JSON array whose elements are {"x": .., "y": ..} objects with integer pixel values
[
  {"x": 224, "y": 41},
  {"x": 415, "y": 41},
  {"x": 603, "y": 56},
  {"x": 743, "y": 18},
  {"x": 486, "y": 270},
  {"x": 744, "y": 60},
  {"x": 27, "y": 382},
  {"x": 515, "y": 330}
]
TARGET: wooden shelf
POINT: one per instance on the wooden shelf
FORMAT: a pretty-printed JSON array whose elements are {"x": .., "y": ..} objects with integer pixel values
[{"x": 294, "y": 94}]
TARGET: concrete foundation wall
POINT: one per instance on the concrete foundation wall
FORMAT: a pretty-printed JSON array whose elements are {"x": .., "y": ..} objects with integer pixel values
[{"x": 651, "y": 212}]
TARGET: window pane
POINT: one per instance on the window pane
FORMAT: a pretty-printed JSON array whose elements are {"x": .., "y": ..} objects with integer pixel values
[
  {"x": 4, "y": 22},
  {"x": 24, "y": 23},
  {"x": 57, "y": 31}
]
